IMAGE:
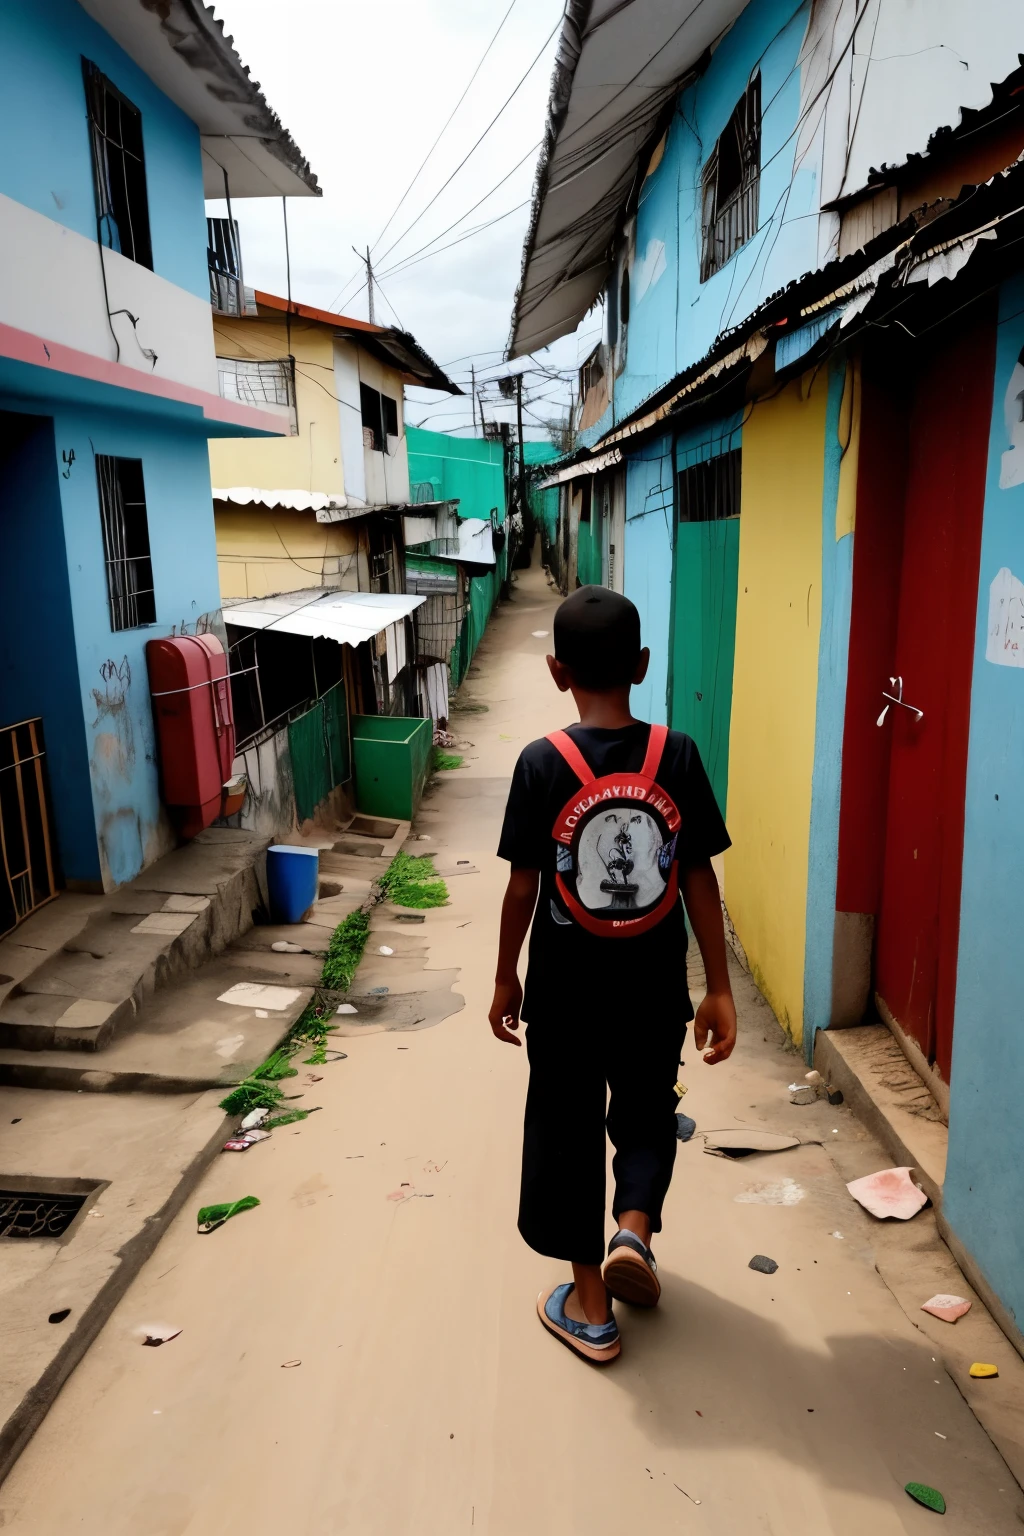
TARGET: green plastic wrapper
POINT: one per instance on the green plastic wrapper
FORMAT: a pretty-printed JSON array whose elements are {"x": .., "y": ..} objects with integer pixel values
[
  {"x": 931, "y": 1498},
  {"x": 213, "y": 1216}
]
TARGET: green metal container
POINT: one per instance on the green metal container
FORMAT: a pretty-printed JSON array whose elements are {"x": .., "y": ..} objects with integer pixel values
[{"x": 391, "y": 756}]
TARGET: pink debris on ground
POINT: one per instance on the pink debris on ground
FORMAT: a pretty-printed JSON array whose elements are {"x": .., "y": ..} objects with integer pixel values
[
  {"x": 948, "y": 1308},
  {"x": 892, "y": 1192}
]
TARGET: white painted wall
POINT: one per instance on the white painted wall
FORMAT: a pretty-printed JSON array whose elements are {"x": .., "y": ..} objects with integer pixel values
[
  {"x": 51, "y": 285},
  {"x": 350, "y": 422},
  {"x": 911, "y": 68}
]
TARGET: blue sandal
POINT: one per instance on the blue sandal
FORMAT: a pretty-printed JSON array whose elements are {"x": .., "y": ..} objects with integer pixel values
[
  {"x": 598, "y": 1342},
  {"x": 631, "y": 1273}
]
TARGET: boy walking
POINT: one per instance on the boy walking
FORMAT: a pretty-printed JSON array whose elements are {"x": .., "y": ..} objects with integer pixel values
[{"x": 611, "y": 821}]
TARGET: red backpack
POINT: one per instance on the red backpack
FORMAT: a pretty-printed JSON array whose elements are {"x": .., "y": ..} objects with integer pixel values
[{"x": 615, "y": 866}]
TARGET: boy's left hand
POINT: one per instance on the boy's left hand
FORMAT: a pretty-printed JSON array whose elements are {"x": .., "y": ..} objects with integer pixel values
[{"x": 716, "y": 1020}]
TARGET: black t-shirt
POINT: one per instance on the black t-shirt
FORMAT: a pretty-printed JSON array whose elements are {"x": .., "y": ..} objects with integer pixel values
[{"x": 572, "y": 971}]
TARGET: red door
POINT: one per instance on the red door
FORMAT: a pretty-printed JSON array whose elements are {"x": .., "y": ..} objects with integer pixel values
[{"x": 919, "y": 917}]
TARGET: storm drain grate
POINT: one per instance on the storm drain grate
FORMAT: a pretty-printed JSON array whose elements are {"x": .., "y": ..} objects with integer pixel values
[{"x": 28, "y": 1213}]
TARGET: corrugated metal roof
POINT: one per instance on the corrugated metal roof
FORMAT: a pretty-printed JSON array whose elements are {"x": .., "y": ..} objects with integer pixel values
[
  {"x": 619, "y": 63},
  {"x": 181, "y": 46},
  {"x": 347, "y": 617}
]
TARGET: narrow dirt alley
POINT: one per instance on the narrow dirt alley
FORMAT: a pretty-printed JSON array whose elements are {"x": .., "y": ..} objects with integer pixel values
[{"x": 354, "y": 1363}]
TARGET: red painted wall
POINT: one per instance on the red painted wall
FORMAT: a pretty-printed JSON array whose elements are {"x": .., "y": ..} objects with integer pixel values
[{"x": 877, "y": 556}]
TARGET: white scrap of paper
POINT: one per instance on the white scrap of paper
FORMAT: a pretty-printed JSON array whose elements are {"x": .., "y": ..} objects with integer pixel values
[{"x": 1005, "y": 644}]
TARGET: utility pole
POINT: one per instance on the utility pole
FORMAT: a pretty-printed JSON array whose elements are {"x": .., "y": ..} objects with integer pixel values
[
  {"x": 522, "y": 453},
  {"x": 369, "y": 280},
  {"x": 472, "y": 374}
]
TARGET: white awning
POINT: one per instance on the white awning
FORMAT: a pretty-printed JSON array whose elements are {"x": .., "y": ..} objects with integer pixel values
[
  {"x": 586, "y": 467},
  {"x": 347, "y": 617},
  {"x": 295, "y": 500},
  {"x": 618, "y": 63}
]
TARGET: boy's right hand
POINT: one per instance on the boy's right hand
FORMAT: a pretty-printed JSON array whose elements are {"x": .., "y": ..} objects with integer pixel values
[{"x": 504, "y": 1014}]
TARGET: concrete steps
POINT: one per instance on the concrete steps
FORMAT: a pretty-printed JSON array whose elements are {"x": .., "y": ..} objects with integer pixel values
[{"x": 86, "y": 991}]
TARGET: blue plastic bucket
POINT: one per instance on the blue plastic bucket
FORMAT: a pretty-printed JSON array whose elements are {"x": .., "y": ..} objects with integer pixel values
[{"x": 293, "y": 879}]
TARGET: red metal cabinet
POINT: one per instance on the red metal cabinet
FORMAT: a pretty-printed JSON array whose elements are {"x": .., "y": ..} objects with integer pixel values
[{"x": 195, "y": 728}]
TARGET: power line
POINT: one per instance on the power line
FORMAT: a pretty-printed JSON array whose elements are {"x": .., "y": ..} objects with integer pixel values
[
  {"x": 477, "y": 229},
  {"x": 532, "y": 150},
  {"x": 437, "y": 141},
  {"x": 473, "y": 148}
]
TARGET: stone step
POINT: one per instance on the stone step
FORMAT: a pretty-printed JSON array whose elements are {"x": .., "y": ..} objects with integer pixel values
[{"x": 174, "y": 916}]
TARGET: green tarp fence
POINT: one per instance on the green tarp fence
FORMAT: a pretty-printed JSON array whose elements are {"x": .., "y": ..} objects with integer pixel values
[{"x": 318, "y": 744}]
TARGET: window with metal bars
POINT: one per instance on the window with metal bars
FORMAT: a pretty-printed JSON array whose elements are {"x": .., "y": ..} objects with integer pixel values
[
  {"x": 730, "y": 184},
  {"x": 125, "y": 527},
  {"x": 119, "y": 168},
  {"x": 710, "y": 491}
]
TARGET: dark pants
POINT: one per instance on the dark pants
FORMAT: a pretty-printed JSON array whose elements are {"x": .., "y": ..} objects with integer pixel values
[{"x": 572, "y": 1067}]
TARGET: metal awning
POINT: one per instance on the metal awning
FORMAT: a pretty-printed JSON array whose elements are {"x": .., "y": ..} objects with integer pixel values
[
  {"x": 585, "y": 467},
  {"x": 619, "y": 63},
  {"x": 182, "y": 47},
  {"x": 347, "y": 617}
]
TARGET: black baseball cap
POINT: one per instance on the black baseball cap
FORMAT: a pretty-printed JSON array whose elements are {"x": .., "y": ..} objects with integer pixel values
[{"x": 597, "y": 636}]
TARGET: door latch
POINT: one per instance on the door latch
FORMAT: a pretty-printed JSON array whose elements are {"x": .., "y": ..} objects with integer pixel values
[{"x": 897, "y": 698}]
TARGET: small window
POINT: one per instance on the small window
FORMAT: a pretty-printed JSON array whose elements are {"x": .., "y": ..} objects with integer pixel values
[
  {"x": 373, "y": 425},
  {"x": 710, "y": 491},
  {"x": 126, "y": 542},
  {"x": 119, "y": 168},
  {"x": 586, "y": 490},
  {"x": 730, "y": 184},
  {"x": 380, "y": 418},
  {"x": 624, "y": 297},
  {"x": 257, "y": 382}
]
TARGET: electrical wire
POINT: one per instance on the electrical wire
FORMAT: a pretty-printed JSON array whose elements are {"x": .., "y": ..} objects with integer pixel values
[
  {"x": 478, "y": 229},
  {"x": 437, "y": 141},
  {"x": 475, "y": 146}
]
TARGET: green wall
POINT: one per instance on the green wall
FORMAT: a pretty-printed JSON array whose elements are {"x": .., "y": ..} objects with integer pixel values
[
  {"x": 543, "y": 504},
  {"x": 704, "y": 640}
]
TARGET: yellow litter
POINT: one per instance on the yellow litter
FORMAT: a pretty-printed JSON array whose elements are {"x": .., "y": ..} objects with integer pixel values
[{"x": 978, "y": 1369}]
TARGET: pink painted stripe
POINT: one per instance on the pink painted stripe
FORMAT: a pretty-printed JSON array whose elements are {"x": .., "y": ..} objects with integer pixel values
[{"x": 24, "y": 347}]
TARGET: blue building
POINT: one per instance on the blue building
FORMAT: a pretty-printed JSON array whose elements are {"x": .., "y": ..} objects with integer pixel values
[
  {"x": 800, "y": 452},
  {"x": 116, "y": 121}
]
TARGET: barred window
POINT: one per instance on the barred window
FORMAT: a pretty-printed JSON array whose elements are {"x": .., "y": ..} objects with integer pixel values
[
  {"x": 119, "y": 168},
  {"x": 730, "y": 185},
  {"x": 710, "y": 491},
  {"x": 270, "y": 382},
  {"x": 125, "y": 527},
  {"x": 380, "y": 418}
]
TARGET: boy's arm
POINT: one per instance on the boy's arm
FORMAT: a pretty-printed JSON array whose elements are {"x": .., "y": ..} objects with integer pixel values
[
  {"x": 516, "y": 912},
  {"x": 716, "y": 1016}
]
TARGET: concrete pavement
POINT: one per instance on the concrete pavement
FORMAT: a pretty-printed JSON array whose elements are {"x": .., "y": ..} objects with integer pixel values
[{"x": 428, "y": 1399}]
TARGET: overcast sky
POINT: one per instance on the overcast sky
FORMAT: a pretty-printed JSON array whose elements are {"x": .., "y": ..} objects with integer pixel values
[{"x": 364, "y": 90}]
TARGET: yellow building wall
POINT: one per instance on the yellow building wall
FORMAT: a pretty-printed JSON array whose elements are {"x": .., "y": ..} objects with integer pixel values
[
  {"x": 310, "y": 461},
  {"x": 771, "y": 754},
  {"x": 261, "y": 550}
]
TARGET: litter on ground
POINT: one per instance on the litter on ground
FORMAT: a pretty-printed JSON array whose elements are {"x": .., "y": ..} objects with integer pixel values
[
  {"x": 286, "y": 1365},
  {"x": 253, "y": 1118},
  {"x": 155, "y": 1334},
  {"x": 980, "y": 1370},
  {"x": 685, "y": 1127},
  {"x": 892, "y": 1192},
  {"x": 386, "y": 949},
  {"x": 948, "y": 1308},
  {"x": 250, "y": 994},
  {"x": 931, "y": 1498},
  {"x": 210, "y": 1217},
  {"x": 58, "y": 1317}
]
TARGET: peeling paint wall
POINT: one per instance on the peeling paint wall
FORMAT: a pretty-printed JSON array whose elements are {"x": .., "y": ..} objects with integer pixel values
[
  {"x": 984, "y": 1189},
  {"x": 131, "y": 826},
  {"x": 775, "y": 687}
]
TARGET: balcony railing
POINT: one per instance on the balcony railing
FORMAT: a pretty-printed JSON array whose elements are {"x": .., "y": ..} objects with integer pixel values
[{"x": 263, "y": 384}]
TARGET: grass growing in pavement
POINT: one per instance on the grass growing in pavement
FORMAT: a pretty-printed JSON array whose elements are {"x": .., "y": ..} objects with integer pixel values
[
  {"x": 412, "y": 881},
  {"x": 445, "y": 760},
  {"x": 408, "y": 881}
]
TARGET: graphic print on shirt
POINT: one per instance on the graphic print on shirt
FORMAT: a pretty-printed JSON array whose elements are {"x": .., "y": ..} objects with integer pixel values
[{"x": 615, "y": 845}]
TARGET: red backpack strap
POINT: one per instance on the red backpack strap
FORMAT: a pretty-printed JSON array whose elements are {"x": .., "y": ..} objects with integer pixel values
[
  {"x": 655, "y": 748},
  {"x": 563, "y": 743}
]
